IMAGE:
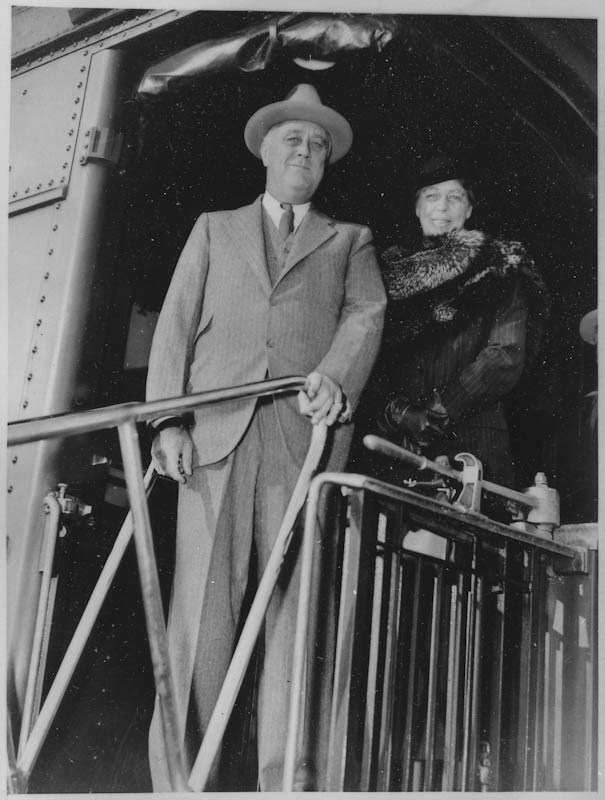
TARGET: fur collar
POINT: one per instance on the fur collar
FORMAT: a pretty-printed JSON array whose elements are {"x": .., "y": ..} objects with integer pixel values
[{"x": 451, "y": 279}]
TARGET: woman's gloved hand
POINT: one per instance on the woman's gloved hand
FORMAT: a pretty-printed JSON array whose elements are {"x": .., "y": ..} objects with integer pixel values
[{"x": 424, "y": 423}]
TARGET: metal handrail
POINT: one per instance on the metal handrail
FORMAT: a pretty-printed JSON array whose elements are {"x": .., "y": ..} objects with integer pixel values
[
  {"x": 56, "y": 425},
  {"x": 124, "y": 417}
]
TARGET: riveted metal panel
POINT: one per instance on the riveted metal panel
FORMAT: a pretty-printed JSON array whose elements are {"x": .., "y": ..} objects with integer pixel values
[
  {"x": 46, "y": 105},
  {"x": 35, "y": 250}
]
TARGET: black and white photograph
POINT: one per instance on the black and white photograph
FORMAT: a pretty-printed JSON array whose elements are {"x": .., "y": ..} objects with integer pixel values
[{"x": 302, "y": 398}]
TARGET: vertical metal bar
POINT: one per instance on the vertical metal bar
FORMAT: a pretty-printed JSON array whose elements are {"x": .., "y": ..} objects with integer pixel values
[
  {"x": 356, "y": 651},
  {"x": 525, "y": 705},
  {"x": 496, "y": 677},
  {"x": 152, "y": 603},
  {"x": 339, "y": 716},
  {"x": 376, "y": 640},
  {"x": 37, "y": 663},
  {"x": 411, "y": 687},
  {"x": 431, "y": 706},
  {"x": 451, "y": 749},
  {"x": 539, "y": 590},
  {"x": 390, "y": 662},
  {"x": 472, "y": 672}
]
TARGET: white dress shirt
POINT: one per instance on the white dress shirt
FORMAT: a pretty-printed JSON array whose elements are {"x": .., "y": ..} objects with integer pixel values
[{"x": 275, "y": 211}]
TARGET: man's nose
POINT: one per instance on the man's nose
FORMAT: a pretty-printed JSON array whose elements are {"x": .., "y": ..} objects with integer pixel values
[{"x": 303, "y": 148}]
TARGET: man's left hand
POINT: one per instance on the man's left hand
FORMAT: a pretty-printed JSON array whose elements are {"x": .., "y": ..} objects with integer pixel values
[{"x": 323, "y": 399}]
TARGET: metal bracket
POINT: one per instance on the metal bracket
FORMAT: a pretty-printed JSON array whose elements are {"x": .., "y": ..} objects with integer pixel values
[
  {"x": 472, "y": 478},
  {"x": 105, "y": 145}
]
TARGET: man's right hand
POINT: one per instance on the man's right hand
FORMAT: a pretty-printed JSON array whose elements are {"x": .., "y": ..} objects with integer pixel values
[{"x": 172, "y": 453}]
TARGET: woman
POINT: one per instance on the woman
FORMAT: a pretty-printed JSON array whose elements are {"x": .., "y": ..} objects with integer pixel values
[{"x": 464, "y": 317}]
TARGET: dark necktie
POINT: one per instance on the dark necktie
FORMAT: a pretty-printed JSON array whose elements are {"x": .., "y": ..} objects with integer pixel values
[{"x": 286, "y": 223}]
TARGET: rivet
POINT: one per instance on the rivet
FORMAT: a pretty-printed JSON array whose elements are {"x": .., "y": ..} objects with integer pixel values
[
  {"x": 46, "y": 276},
  {"x": 38, "y": 323},
  {"x": 68, "y": 148},
  {"x": 15, "y": 459},
  {"x": 50, "y": 183},
  {"x": 27, "y": 190},
  {"x": 39, "y": 186},
  {"x": 82, "y": 69},
  {"x": 35, "y": 349},
  {"x": 62, "y": 49},
  {"x": 86, "y": 146},
  {"x": 14, "y": 194},
  {"x": 58, "y": 205},
  {"x": 82, "y": 160},
  {"x": 87, "y": 133},
  {"x": 86, "y": 51},
  {"x": 71, "y": 132},
  {"x": 86, "y": 38},
  {"x": 79, "y": 86},
  {"x": 10, "y": 489},
  {"x": 30, "y": 376},
  {"x": 24, "y": 404},
  {"x": 43, "y": 298},
  {"x": 77, "y": 100},
  {"x": 74, "y": 116},
  {"x": 62, "y": 180},
  {"x": 64, "y": 165},
  {"x": 24, "y": 91},
  {"x": 50, "y": 252},
  {"x": 55, "y": 226}
]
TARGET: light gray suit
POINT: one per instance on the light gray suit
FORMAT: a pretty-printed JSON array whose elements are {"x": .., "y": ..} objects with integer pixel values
[{"x": 223, "y": 323}]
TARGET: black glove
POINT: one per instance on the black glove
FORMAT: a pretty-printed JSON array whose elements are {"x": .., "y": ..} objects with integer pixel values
[{"x": 422, "y": 423}]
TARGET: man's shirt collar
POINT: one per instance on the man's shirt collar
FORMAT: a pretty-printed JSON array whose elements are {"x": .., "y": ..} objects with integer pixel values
[{"x": 275, "y": 210}]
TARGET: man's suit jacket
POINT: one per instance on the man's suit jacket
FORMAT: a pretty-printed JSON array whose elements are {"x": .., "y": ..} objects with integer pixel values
[{"x": 224, "y": 324}]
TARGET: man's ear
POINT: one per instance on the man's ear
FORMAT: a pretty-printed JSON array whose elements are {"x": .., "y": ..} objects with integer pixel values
[
  {"x": 263, "y": 151},
  {"x": 469, "y": 212}
]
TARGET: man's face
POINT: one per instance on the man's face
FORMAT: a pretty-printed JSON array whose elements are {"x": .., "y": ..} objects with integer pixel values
[
  {"x": 294, "y": 154},
  {"x": 443, "y": 207}
]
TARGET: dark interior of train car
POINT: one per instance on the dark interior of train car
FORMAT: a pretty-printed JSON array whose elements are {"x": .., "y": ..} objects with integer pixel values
[{"x": 452, "y": 84}]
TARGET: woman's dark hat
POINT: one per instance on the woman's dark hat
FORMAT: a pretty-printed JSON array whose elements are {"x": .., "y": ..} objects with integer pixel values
[
  {"x": 302, "y": 103},
  {"x": 439, "y": 168}
]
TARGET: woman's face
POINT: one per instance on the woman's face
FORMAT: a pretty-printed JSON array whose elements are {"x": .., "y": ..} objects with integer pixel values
[{"x": 443, "y": 207}]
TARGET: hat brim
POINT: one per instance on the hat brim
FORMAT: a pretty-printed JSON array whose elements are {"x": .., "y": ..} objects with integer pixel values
[
  {"x": 284, "y": 111},
  {"x": 589, "y": 327}
]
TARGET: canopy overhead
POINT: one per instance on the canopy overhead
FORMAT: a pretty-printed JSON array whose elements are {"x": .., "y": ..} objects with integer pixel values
[{"x": 315, "y": 39}]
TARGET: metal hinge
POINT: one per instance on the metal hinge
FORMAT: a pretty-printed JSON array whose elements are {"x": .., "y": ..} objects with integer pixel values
[{"x": 105, "y": 144}]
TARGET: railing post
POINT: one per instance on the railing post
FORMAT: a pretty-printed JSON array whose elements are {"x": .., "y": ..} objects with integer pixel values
[{"x": 152, "y": 602}]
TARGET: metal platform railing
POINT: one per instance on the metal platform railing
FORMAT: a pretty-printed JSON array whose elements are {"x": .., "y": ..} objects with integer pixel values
[
  {"x": 36, "y": 720},
  {"x": 440, "y": 677}
]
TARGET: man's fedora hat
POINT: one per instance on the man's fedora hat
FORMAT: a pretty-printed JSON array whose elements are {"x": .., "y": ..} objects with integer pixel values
[{"x": 302, "y": 103}]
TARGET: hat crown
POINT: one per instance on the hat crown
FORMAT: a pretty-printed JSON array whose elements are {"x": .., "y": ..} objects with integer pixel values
[{"x": 304, "y": 93}]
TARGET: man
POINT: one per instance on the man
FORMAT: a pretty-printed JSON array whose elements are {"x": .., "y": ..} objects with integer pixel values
[{"x": 252, "y": 299}]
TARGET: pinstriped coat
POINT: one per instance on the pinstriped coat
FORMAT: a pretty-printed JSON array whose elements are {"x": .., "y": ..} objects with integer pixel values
[{"x": 223, "y": 324}]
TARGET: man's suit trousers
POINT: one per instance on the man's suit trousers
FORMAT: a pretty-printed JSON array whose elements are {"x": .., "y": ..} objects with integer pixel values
[{"x": 221, "y": 507}]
